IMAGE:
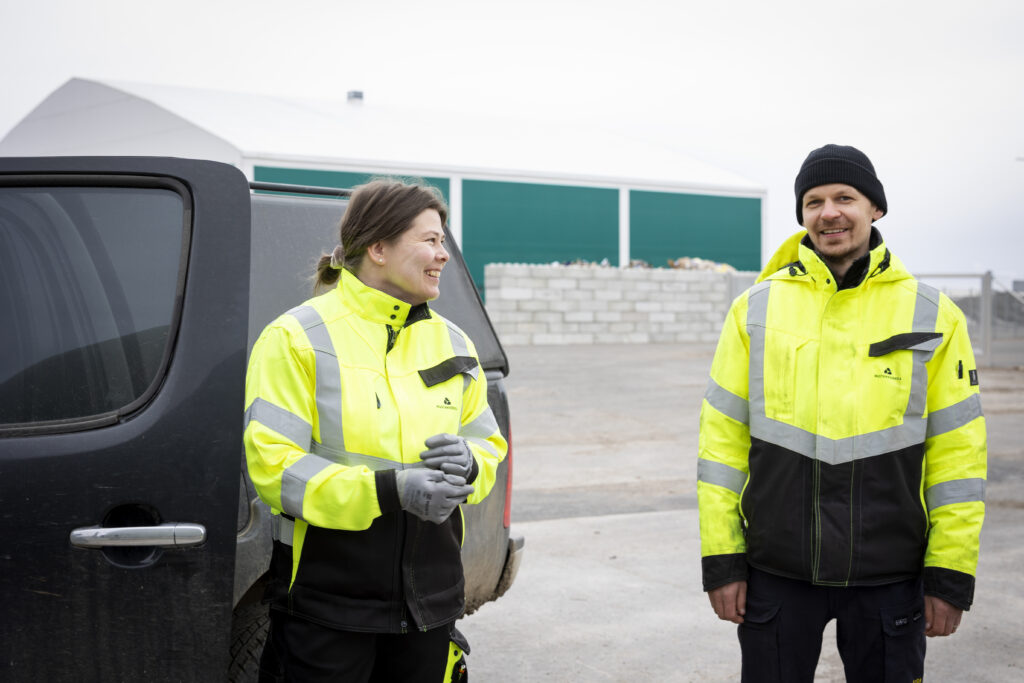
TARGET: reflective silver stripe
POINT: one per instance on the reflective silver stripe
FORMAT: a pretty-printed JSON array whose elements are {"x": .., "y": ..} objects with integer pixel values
[
  {"x": 727, "y": 403},
  {"x": 282, "y": 529},
  {"x": 294, "y": 480},
  {"x": 757, "y": 318},
  {"x": 926, "y": 312},
  {"x": 929, "y": 345},
  {"x": 458, "y": 339},
  {"x": 836, "y": 451},
  {"x": 287, "y": 424},
  {"x": 459, "y": 345},
  {"x": 483, "y": 426},
  {"x": 480, "y": 429},
  {"x": 956, "y": 491},
  {"x": 484, "y": 444},
  {"x": 711, "y": 472},
  {"x": 795, "y": 439},
  {"x": 955, "y": 416},
  {"x": 328, "y": 377},
  {"x": 371, "y": 462}
]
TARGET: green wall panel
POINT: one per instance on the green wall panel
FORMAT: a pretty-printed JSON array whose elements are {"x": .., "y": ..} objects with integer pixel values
[
  {"x": 667, "y": 225},
  {"x": 540, "y": 223},
  {"x": 506, "y": 222},
  {"x": 345, "y": 179}
]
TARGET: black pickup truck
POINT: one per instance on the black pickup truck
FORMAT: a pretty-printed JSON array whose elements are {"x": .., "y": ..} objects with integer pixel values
[{"x": 132, "y": 544}]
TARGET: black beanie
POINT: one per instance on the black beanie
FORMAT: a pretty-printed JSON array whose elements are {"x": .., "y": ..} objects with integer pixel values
[{"x": 838, "y": 164}]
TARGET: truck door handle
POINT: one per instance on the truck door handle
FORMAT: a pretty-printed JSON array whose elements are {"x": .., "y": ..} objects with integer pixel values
[{"x": 169, "y": 535}]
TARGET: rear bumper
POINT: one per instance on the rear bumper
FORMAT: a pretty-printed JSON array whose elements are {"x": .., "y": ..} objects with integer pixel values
[{"x": 513, "y": 558}]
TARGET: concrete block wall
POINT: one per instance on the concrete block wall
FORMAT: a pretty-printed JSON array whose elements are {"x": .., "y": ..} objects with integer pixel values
[{"x": 555, "y": 304}]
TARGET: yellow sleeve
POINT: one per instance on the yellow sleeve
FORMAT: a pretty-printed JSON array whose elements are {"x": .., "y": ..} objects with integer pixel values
[
  {"x": 280, "y": 419},
  {"x": 480, "y": 430},
  {"x": 724, "y": 446},
  {"x": 955, "y": 463}
]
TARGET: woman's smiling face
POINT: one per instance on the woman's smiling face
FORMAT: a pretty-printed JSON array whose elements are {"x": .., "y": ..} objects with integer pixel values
[{"x": 409, "y": 267}]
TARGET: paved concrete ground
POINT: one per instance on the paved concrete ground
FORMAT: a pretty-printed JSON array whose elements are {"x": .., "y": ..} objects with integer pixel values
[{"x": 605, "y": 444}]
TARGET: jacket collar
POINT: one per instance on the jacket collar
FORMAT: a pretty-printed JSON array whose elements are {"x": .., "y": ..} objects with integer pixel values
[
  {"x": 376, "y": 306},
  {"x": 869, "y": 263},
  {"x": 796, "y": 259}
]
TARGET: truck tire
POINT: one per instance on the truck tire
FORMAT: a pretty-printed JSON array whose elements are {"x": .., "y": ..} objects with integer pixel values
[{"x": 249, "y": 626}]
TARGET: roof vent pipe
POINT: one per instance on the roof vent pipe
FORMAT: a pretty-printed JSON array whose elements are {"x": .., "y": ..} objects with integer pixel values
[{"x": 355, "y": 96}]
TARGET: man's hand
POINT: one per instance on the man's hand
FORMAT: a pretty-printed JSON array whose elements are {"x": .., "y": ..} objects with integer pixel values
[
  {"x": 730, "y": 601},
  {"x": 940, "y": 617}
]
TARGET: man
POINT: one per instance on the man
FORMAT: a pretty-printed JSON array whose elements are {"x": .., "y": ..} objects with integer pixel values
[{"x": 842, "y": 447}]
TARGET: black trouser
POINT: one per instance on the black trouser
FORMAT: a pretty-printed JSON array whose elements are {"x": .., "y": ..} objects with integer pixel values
[
  {"x": 879, "y": 630},
  {"x": 298, "y": 650}
]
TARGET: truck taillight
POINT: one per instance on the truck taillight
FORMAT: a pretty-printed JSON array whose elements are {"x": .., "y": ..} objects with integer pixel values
[{"x": 508, "y": 480}]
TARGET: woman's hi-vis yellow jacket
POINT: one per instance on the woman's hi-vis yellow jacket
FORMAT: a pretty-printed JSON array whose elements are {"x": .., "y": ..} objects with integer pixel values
[
  {"x": 841, "y": 436},
  {"x": 341, "y": 393}
]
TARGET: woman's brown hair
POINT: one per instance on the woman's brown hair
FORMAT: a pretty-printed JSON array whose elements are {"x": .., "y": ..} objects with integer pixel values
[{"x": 378, "y": 211}]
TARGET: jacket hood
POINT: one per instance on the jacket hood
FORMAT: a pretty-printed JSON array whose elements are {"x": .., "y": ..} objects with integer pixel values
[
  {"x": 788, "y": 252},
  {"x": 795, "y": 249}
]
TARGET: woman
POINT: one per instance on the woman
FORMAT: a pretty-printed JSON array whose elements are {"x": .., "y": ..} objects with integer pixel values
[{"x": 366, "y": 426}]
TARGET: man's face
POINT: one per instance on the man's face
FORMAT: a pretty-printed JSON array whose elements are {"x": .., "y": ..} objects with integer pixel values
[{"x": 838, "y": 219}]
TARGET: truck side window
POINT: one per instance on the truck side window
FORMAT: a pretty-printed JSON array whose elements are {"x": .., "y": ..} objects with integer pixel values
[{"x": 90, "y": 278}]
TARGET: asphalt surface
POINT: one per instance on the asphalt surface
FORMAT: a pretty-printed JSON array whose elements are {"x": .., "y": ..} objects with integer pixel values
[{"x": 605, "y": 443}]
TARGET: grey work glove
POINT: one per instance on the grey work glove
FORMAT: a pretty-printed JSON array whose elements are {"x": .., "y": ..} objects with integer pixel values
[
  {"x": 429, "y": 494},
  {"x": 450, "y": 454}
]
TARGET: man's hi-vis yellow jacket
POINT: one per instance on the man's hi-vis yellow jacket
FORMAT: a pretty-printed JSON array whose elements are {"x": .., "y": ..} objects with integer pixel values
[
  {"x": 841, "y": 435},
  {"x": 341, "y": 392}
]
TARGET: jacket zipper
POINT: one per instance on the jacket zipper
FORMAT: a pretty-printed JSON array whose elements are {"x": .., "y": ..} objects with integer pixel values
[{"x": 403, "y": 526}]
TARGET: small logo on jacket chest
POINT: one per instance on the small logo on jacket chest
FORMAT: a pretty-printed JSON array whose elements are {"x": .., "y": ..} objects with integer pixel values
[
  {"x": 888, "y": 374},
  {"x": 447, "y": 405}
]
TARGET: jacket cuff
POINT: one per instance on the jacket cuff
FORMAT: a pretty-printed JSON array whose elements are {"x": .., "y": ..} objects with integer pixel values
[
  {"x": 387, "y": 491},
  {"x": 719, "y": 570},
  {"x": 956, "y": 588},
  {"x": 474, "y": 470}
]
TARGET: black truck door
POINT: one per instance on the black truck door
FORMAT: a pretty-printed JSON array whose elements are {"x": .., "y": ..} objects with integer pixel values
[{"x": 123, "y": 316}]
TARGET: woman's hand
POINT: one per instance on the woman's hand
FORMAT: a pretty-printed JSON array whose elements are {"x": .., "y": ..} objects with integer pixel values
[
  {"x": 430, "y": 495},
  {"x": 450, "y": 454}
]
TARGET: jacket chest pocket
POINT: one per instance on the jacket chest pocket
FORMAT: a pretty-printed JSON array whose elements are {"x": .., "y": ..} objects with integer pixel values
[
  {"x": 898, "y": 372},
  {"x": 445, "y": 384},
  {"x": 787, "y": 361}
]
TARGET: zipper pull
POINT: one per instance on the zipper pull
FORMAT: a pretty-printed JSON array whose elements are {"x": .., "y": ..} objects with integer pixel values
[{"x": 378, "y": 400}]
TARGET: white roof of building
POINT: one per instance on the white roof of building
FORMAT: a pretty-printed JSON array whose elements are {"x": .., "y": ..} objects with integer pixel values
[{"x": 113, "y": 118}]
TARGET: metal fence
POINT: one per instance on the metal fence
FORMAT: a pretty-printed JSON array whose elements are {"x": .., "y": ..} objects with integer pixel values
[{"x": 995, "y": 315}]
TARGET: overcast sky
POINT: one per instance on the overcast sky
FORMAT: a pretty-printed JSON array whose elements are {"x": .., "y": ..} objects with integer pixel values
[{"x": 932, "y": 91}]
